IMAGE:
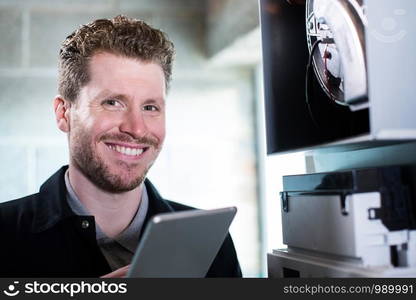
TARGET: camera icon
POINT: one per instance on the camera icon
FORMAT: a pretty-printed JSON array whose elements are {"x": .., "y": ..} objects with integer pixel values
[
  {"x": 11, "y": 290},
  {"x": 390, "y": 28}
]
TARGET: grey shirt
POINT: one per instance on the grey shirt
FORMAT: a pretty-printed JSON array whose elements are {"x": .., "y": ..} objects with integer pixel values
[{"x": 118, "y": 251}]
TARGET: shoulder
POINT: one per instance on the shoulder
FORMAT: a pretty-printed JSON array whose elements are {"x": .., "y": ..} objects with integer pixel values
[
  {"x": 179, "y": 206},
  {"x": 18, "y": 214},
  {"x": 18, "y": 205}
]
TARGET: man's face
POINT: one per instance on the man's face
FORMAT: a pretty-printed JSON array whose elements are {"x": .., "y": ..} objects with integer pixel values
[{"x": 117, "y": 124}]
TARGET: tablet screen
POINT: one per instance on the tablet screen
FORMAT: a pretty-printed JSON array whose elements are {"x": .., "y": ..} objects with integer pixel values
[{"x": 181, "y": 244}]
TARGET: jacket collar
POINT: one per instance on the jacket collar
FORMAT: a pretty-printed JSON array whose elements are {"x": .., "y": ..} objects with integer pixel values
[{"x": 52, "y": 206}]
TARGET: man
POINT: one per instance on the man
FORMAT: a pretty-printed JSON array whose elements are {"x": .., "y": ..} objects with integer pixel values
[{"x": 87, "y": 218}]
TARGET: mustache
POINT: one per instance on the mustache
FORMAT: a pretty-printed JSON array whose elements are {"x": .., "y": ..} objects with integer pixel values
[{"x": 129, "y": 139}]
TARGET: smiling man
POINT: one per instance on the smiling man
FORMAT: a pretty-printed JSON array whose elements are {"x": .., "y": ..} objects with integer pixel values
[{"x": 87, "y": 219}]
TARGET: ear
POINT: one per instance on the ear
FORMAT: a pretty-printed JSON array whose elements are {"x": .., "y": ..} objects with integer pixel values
[{"x": 62, "y": 108}]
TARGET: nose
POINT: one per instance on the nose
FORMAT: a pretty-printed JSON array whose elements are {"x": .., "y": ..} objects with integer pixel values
[{"x": 134, "y": 124}]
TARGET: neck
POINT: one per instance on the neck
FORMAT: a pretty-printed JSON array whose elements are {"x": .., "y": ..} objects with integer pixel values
[{"x": 112, "y": 211}]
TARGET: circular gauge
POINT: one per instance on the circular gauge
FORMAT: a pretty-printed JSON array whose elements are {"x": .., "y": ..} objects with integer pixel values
[{"x": 335, "y": 35}]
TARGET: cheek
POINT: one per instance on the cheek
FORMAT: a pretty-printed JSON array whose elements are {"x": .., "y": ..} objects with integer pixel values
[
  {"x": 94, "y": 122},
  {"x": 161, "y": 132},
  {"x": 103, "y": 125},
  {"x": 158, "y": 129}
]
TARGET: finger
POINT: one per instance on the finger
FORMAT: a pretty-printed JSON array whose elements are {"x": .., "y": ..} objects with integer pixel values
[{"x": 117, "y": 273}]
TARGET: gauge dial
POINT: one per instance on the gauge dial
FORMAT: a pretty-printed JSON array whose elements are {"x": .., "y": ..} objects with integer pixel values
[{"x": 339, "y": 58}]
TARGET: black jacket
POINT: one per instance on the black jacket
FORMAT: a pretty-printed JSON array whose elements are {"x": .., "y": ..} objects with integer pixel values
[{"x": 42, "y": 237}]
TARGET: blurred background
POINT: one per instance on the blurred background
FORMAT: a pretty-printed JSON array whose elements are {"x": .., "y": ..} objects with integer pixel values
[{"x": 214, "y": 154}]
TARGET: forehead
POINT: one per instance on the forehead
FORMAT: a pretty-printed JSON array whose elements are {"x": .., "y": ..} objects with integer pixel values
[{"x": 124, "y": 75}]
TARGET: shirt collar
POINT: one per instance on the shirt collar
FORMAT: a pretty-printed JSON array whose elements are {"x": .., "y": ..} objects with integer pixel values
[
  {"x": 130, "y": 236},
  {"x": 52, "y": 206}
]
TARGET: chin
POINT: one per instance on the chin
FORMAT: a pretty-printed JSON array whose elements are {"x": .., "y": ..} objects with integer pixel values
[
  {"x": 121, "y": 185},
  {"x": 128, "y": 178}
]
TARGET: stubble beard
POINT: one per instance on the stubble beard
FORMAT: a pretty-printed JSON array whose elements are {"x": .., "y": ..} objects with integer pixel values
[{"x": 94, "y": 168}]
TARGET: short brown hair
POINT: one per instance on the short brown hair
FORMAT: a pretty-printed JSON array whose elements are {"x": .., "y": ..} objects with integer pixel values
[{"x": 121, "y": 36}]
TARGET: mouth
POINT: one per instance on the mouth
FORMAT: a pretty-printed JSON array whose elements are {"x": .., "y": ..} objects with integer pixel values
[{"x": 128, "y": 150}]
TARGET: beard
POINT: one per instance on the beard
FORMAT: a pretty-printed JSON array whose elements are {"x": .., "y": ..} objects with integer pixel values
[{"x": 85, "y": 159}]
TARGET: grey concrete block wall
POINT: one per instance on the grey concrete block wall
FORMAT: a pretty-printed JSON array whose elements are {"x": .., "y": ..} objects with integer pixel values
[
  {"x": 180, "y": 8},
  {"x": 210, "y": 143},
  {"x": 14, "y": 176},
  {"x": 47, "y": 160},
  {"x": 10, "y": 29},
  {"x": 26, "y": 106},
  {"x": 46, "y": 23},
  {"x": 228, "y": 20},
  {"x": 188, "y": 37},
  {"x": 48, "y": 29}
]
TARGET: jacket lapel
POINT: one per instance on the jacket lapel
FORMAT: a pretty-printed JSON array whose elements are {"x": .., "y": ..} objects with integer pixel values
[
  {"x": 157, "y": 204},
  {"x": 51, "y": 206}
]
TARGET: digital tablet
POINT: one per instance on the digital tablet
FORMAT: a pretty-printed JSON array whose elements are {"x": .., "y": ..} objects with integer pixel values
[{"x": 181, "y": 244}]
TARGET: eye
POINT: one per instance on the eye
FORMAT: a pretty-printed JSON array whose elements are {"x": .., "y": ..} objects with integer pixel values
[
  {"x": 151, "y": 107},
  {"x": 111, "y": 102}
]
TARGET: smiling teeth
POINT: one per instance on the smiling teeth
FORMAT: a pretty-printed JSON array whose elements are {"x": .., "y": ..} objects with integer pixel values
[{"x": 126, "y": 150}]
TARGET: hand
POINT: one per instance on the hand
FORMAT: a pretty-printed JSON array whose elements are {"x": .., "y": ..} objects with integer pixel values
[{"x": 119, "y": 273}]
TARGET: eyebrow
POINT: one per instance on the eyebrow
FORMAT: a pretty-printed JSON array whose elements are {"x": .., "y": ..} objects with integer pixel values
[
  {"x": 105, "y": 94},
  {"x": 108, "y": 94},
  {"x": 151, "y": 101}
]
